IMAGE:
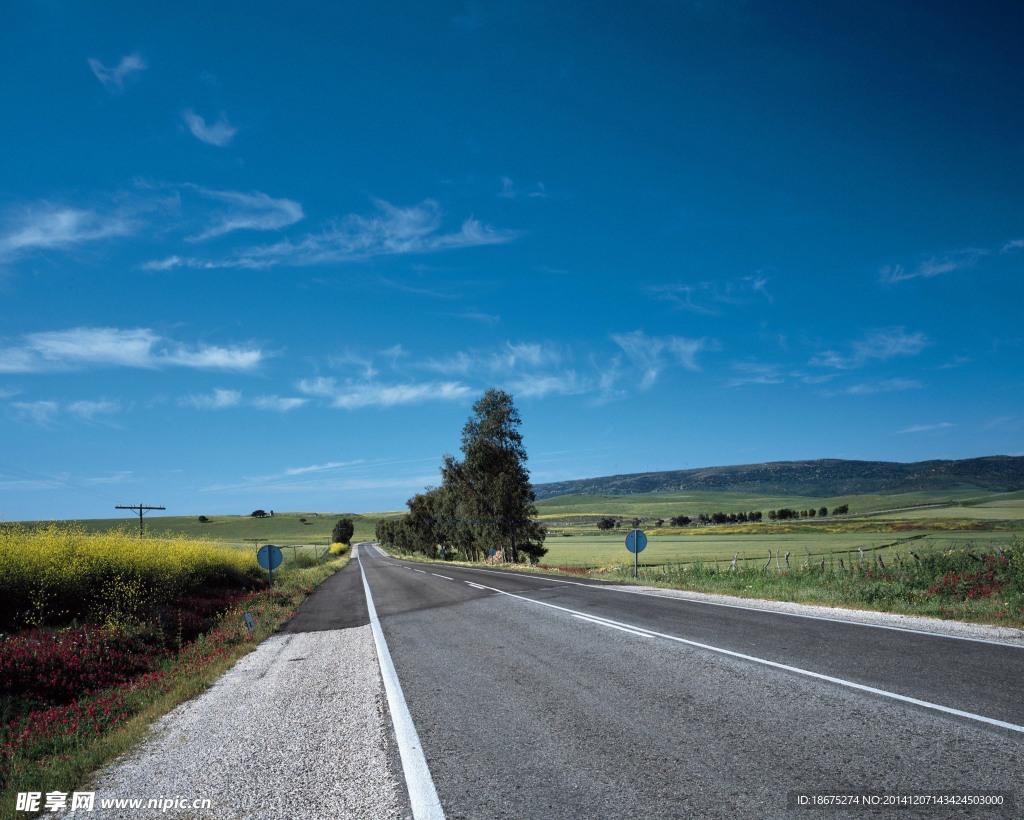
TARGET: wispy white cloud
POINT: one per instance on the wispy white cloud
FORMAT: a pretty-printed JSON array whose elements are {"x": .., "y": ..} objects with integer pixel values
[
  {"x": 481, "y": 317},
  {"x": 278, "y": 404},
  {"x": 323, "y": 468},
  {"x": 883, "y": 386},
  {"x": 115, "y": 347},
  {"x": 526, "y": 369},
  {"x": 219, "y": 133},
  {"x": 114, "y": 477},
  {"x": 510, "y": 190},
  {"x": 709, "y": 298},
  {"x": 222, "y": 399},
  {"x": 652, "y": 354},
  {"x": 878, "y": 345},
  {"x": 46, "y": 226},
  {"x": 353, "y": 395},
  {"x": 90, "y": 410},
  {"x": 46, "y": 413},
  {"x": 391, "y": 231},
  {"x": 255, "y": 211},
  {"x": 113, "y": 79},
  {"x": 927, "y": 428},
  {"x": 218, "y": 399},
  {"x": 567, "y": 383},
  {"x": 939, "y": 265},
  {"x": 1006, "y": 423},
  {"x": 756, "y": 373},
  {"x": 43, "y": 413}
]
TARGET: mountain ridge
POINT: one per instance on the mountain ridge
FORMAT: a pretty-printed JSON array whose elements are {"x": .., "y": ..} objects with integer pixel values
[{"x": 823, "y": 478}]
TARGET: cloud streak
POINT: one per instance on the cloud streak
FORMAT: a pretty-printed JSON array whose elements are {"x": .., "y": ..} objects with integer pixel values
[
  {"x": 86, "y": 347},
  {"x": 391, "y": 231},
  {"x": 953, "y": 262},
  {"x": 652, "y": 354},
  {"x": 219, "y": 134},
  {"x": 255, "y": 211},
  {"x": 927, "y": 428},
  {"x": 708, "y": 298},
  {"x": 47, "y": 226},
  {"x": 353, "y": 395},
  {"x": 878, "y": 345},
  {"x": 113, "y": 79}
]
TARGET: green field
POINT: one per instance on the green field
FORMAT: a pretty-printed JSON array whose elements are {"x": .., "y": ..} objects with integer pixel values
[
  {"x": 284, "y": 529},
  {"x": 922, "y": 522},
  {"x": 916, "y": 521},
  {"x": 707, "y": 547},
  {"x": 973, "y": 504}
]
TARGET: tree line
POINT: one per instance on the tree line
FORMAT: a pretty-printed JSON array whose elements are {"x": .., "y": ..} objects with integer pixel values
[
  {"x": 485, "y": 501},
  {"x": 754, "y": 517}
]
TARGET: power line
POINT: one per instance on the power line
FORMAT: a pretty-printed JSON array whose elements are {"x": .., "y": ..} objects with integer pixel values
[{"x": 142, "y": 509}]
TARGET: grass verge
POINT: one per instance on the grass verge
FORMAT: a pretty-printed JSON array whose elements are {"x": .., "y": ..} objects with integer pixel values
[{"x": 958, "y": 584}]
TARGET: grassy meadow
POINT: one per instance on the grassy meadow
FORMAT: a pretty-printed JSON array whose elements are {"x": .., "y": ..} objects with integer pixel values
[
  {"x": 283, "y": 529},
  {"x": 958, "y": 556},
  {"x": 930, "y": 520}
]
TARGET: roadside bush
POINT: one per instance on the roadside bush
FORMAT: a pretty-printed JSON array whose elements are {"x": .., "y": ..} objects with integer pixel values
[
  {"x": 303, "y": 559},
  {"x": 338, "y": 548}
]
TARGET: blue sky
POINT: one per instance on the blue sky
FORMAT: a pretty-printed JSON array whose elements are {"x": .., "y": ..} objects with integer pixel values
[{"x": 267, "y": 255}]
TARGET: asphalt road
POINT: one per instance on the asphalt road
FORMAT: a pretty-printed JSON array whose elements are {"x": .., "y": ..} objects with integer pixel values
[{"x": 534, "y": 697}]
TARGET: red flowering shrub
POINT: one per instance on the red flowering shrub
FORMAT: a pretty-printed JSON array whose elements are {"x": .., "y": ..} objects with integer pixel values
[
  {"x": 57, "y": 667},
  {"x": 983, "y": 583}
]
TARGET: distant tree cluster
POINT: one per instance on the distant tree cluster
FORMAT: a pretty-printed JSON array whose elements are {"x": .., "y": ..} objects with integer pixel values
[
  {"x": 786, "y": 514},
  {"x": 607, "y": 524},
  {"x": 485, "y": 501},
  {"x": 716, "y": 518}
]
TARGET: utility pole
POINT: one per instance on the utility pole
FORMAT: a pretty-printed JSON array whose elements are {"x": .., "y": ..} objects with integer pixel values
[{"x": 141, "y": 509}]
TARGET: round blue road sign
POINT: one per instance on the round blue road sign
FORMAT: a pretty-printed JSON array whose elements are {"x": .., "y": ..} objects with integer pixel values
[
  {"x": 269, "y": 556},
  {"x": 636, "y": 541}
]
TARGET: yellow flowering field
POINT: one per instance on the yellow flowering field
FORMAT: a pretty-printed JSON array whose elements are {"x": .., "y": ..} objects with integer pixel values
[{"x": 57, "y": 573}]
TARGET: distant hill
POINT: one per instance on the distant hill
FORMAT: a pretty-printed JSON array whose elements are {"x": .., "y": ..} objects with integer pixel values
[{"x": 824, "y": 478}]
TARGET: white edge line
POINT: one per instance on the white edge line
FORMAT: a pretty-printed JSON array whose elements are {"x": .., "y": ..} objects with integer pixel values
[
  {"x": 438, "y": 575},
  {"x": 775, "y": 665},
  {"x": 613, "y": 626},
  {"x": 846, "y": 622},
  {"x": 423, "y": 797}
]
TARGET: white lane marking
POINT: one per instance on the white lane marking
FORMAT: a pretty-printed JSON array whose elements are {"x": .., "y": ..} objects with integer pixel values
[
  {"x": 478, "y": 586},
  {"x": 438, "y": 575},
  {"x": 423, "y": 797},
  {"x": 937, "y": 707},
  {"x": 752, "y": 608},
  {"x": 612, "y": 626},
  {"x": 420, "y": 570}
]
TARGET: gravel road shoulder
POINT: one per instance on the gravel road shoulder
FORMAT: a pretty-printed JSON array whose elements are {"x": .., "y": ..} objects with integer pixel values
[{"x": 297, "y": 728}]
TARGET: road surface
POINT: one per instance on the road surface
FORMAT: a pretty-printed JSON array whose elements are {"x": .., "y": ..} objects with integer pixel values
[{"x": 534, "y": 697}]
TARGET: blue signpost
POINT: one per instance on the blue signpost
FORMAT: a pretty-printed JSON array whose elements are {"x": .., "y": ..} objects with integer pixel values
[
  {"x": 270, "y": 558},
  {"x": 635, "y": 543}
]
